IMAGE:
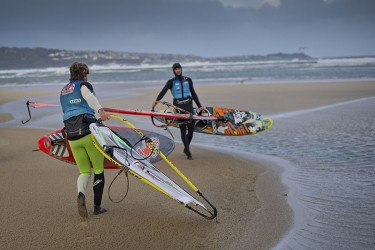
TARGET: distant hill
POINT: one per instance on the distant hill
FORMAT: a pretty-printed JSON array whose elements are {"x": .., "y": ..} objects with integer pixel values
[{"x": 31, "y": 58}]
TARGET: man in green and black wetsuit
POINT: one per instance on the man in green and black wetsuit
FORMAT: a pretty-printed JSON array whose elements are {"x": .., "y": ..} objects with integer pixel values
[{"x": 79, "y": 106}]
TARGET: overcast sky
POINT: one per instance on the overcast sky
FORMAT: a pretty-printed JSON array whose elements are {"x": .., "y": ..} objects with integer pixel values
[{"x": 206, "y": 28}]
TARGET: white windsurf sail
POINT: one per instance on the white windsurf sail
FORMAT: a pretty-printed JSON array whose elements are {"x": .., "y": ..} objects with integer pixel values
[{"x": 106, "y": 138}]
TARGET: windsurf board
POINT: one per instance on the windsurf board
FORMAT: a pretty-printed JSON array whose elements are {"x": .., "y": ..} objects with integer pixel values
[
  {"x": 55, "y": 145},
  {"x": 229, "y": 121}
]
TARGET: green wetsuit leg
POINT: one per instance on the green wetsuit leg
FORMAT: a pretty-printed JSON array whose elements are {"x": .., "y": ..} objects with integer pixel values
[{"x": 85, "y": 152}]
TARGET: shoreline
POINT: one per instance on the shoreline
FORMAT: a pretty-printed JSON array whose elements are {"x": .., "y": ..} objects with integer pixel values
[
  {"x": 317, "y": 95},
  {"x": 203, "y": 82},
  {"x": 274, "y": 214}
]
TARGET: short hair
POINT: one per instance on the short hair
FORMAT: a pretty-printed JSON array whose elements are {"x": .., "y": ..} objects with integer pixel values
[{"x": 78, "y": 71}]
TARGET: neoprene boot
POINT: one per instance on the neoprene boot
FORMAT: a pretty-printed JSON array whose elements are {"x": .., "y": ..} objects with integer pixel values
[
  {"x": 98, "y": 188},
  {"x": 188, "y": 154},
  {"x": 99, "y": 210}
]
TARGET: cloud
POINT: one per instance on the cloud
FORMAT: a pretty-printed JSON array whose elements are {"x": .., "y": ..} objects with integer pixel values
[
  {"x": 255, "y": 4},
  {"x": 200, "y": 27}
]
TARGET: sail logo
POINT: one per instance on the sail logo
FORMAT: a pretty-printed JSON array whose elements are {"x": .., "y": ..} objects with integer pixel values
[{"x": 146, "y": 149}]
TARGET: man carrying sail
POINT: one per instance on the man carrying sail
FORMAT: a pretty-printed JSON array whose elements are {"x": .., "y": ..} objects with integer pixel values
[{"x": 79, "y": 106}]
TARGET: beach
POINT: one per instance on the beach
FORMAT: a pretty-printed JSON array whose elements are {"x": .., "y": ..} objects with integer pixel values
[{"x": 38, "y": 202}]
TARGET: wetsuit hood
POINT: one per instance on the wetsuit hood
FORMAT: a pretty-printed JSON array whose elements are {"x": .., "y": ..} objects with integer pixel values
[{"x": 175, "y": 66}]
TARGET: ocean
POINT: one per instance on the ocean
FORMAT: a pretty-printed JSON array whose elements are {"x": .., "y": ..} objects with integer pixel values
[
  {"x": 329, "y": 164},
  {"x": 327, "y": 152},
  {"x": 241, "y": 72}
]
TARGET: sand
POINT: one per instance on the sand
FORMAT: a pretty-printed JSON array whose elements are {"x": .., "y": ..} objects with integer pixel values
[{"x": 38, "y": 198}]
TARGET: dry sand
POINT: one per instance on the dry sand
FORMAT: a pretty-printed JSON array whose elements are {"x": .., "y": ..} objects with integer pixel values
[{"x": 38, "y": 198}]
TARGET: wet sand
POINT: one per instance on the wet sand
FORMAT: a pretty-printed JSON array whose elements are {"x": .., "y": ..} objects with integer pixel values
[{"x": 38, "y": 202}]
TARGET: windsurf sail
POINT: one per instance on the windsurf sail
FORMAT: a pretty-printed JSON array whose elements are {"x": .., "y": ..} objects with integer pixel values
[{"x": 119, "y": 152}]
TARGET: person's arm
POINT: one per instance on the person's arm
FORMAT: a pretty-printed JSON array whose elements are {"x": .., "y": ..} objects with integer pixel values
[
  {"x": 194, "y": 94},
  {"x": 93, "y": 102},
  {"x": 162, "y": 93}
]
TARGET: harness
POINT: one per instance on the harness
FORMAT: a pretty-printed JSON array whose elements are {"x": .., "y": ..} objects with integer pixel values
[{"x": 77, "y": 113}]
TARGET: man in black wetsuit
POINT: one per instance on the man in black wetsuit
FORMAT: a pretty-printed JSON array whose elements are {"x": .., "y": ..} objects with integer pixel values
[{"x": 183, "y": 95}]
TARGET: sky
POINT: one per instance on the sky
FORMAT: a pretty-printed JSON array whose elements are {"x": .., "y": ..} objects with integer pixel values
[{"x": 208, "y": 28}]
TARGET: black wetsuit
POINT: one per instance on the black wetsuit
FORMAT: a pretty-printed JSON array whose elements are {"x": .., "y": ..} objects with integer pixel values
[{"x": 185, "y": 103}]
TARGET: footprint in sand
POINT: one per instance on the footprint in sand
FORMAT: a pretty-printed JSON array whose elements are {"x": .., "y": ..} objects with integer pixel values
[
  {"x": 4, "y": 142},
  {"x": 83, "y": 224},
  {"x": 86, "y": 239}
]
